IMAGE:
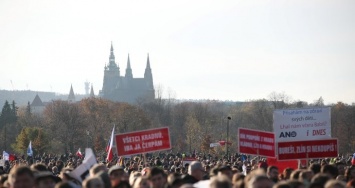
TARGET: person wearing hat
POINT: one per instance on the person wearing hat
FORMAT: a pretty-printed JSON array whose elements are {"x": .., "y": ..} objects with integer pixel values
[
  {"x": 46, "y": 179},
  {"x": 117, "y": 174}
]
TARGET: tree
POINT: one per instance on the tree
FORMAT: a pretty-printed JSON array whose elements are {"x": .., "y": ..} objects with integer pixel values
[
  {"x": 279, "y": 100},
  {"x": 40, "y": 141},
  {"x": 99, "y": 143},
  {"x": 8, "y": 118},
  {"x": 319, "y": 102},
  {"x": 193, "y": 132},
  {"x": 8, "y": 115},
  {"x": 343, "y": 126},
  {"x": 65, "y": 124},
  {"x": 28, "y": 111}
]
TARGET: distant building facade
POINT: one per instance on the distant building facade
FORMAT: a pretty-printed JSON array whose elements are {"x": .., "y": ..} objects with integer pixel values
[
  {"x": 126, "y": 88},
  {"x": 37, "y": 106}
]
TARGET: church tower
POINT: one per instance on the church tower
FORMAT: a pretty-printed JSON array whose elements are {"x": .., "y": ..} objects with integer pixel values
[
  {"x": 126, "y": 88},
  {"x": 129, "y": 74},
  {"x": 71, "y": 96},
  {"x": 148, "y": 75},
  {"x": 111, "y": 76}
]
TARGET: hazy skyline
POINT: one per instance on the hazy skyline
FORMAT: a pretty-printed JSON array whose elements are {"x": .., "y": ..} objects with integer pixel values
[{"x": 226, "y": 50}]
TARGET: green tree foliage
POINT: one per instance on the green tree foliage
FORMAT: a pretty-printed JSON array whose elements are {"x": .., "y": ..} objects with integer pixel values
[
  {"x": 40, "y": 141},
  {"x": 8, "y": 114},
  {"x": 8, "y": 118}
]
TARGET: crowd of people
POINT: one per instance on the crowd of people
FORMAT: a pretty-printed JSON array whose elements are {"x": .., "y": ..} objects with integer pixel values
[{"x": 171, "y": 171}]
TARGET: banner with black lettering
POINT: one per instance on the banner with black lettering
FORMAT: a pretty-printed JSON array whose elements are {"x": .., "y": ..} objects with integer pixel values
[{"x": 302, "y": 124}]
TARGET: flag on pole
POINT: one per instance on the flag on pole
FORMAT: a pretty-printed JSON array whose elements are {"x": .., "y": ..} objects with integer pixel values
[
  {"x": 5, "y": 156},
  {"x": 29, "y": 150},
  {"x": 109, "y": 150},
  {"x": 79, "y": 154},
  {"x": 353, "y": 160}
]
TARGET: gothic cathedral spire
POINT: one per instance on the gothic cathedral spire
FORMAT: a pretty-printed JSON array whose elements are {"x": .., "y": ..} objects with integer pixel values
[
  {"x": 71, "y": 97},
  {"x": 129, "y": 69},
  {"x": 148, "y": 74}
]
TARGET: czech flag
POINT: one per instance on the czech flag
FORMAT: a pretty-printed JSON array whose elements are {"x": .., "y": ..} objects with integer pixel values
[
  {"x": 353, "y": 160},
  {"x": 79, "y": 154},
  {"x": 109, "y": 149}
]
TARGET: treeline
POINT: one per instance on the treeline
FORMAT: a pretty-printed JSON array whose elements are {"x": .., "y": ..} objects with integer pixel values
[{"x": 65, "y": 127}]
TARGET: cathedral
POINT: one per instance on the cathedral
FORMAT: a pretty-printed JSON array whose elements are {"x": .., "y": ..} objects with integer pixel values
[{"x": 126, "y": 88}]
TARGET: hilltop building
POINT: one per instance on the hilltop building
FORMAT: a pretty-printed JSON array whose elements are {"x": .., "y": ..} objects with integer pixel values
[
  {"x": 71, "y": 96},
  {"x": 37, "y": 106},
  {"x": 126, "y": 88}
]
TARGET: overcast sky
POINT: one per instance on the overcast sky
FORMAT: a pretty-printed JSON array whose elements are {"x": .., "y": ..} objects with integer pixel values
[{"x": 226, "y": 50}]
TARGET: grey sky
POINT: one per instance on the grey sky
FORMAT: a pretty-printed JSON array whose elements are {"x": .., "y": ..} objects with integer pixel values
[{"x": 228, "y": 50}]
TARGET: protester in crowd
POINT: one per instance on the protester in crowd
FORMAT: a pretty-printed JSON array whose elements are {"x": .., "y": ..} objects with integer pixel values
[
  {"x": 273, "y": 173},
  {"x": 3, "y": 179},
  {"x": 96, "y": 169},
  {"x": 157, "y": 178},
  {"x": 133, "y": 176},
  {"x": 220, "y": 181},
  {"x": 321, "y": 179},
  {"x": 196, "y": 171},
  {"x": 295, "y": 184},
  {"x": 331, "y": 170},
  {"x": 260, "y": 181},
  {"x": 350, "y": 173},
  {"x": 305, "y": 176},
  {"x": 93, "y": 182},
  {"x": 335, "y": 184},
  {"x": 285, "y": 175},
  {"x": 105, "y": 178},
  {"x": 282, "y": 184},
  {"x": 55, "y": 171},
  {"x": 116, "y": 174},
  {"x": 21, "y": 177},
  {"x": 39, "y": 167},
  {"x": 141, "y": 182},
  {"x": 227, "y": 171},
  {"x": 45, "y": 179},
  {"x": 295, "y": 175},
  {"x": 341, "y": 167}
]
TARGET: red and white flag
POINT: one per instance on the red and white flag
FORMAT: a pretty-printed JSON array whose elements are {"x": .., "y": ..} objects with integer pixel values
[
  {"x": 79, "y": 154},
  {"x": 109, "y": 148}
]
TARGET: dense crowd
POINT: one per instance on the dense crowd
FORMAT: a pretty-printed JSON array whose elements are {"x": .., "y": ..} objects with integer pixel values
[{"x": 170, "y": 171}]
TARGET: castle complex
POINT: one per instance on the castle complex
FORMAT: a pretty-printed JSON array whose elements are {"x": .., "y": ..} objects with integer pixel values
[{"x": 126, "y": 88}]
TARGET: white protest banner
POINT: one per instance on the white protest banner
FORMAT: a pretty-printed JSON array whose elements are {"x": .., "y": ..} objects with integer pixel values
[
  {"x": 214, "y": 145},
  {"x": 302, "y": 124},
  {"x": 82, "y": 171},
  {"x": 5, "y": 156}
]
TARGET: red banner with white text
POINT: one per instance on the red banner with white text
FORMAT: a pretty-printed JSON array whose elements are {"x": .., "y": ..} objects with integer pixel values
[
  {"x": 307, "y": 149},
  {"x": 143, "y": 141}
]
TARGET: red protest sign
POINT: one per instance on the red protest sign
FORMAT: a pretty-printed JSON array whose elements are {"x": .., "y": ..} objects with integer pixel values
[
  {"x": 307, "y": 149},
  {"x": 256, "y": 142},
  {"x": 143, "y": 141}
]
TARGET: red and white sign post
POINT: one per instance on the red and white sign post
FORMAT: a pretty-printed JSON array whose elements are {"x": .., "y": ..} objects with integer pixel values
[
  {"x": 143, "y": 141},
  {"x": 256, "y": 142}
]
